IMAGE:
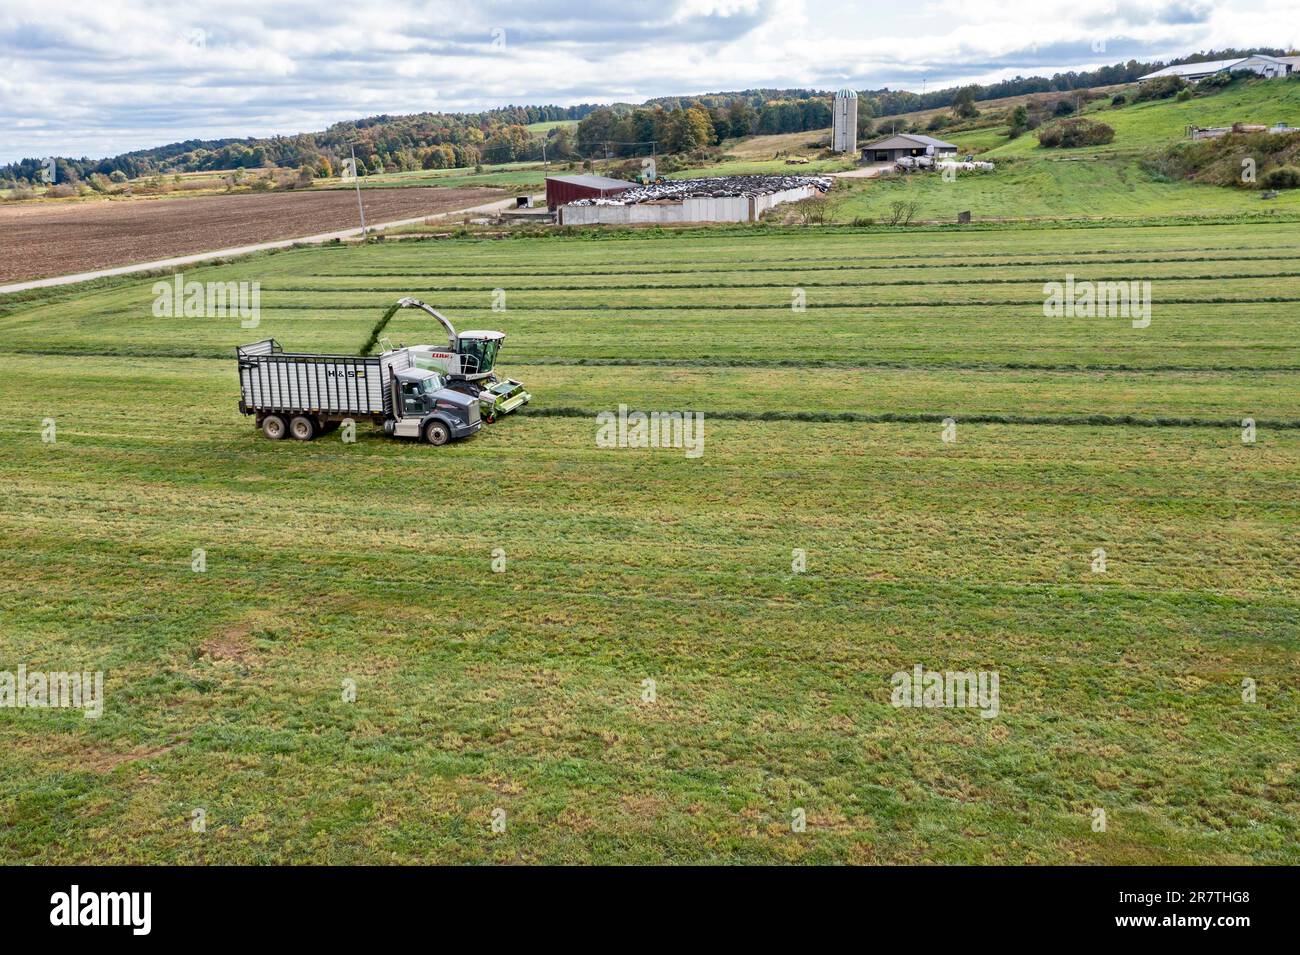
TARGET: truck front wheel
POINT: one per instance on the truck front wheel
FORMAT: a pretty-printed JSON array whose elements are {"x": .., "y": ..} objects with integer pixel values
[
  {"x": 302, "y": 428},
  {"x": 435, "y": 432},
  {"x": 273, "y": 427}
]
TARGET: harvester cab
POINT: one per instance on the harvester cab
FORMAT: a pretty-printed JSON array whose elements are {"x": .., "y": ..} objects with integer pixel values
[{"x": 468, "y": 362}]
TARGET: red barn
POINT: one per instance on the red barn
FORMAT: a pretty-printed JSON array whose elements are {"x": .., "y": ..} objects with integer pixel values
[{"x": 563, "y": 189}]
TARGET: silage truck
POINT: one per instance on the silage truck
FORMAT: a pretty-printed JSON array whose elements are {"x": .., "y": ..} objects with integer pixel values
[{"x": 428, "y": 392}]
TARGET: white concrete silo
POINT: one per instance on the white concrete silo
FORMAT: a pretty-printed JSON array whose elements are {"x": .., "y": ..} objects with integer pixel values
[{"x": 844, "y": 132}]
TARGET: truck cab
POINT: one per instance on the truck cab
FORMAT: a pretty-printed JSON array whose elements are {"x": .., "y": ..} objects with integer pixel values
[{"x": 424, "y": 407}]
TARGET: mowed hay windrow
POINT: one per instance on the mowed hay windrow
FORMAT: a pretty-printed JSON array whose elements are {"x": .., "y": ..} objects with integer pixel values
[{"x": 372, "y": 562}]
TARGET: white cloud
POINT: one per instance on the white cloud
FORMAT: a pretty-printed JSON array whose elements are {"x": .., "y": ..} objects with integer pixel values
[{"x": 126, "y": 74}]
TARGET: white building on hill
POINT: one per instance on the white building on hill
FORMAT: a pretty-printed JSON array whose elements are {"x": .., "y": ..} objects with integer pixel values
[{"x": 1269, "y": 66}]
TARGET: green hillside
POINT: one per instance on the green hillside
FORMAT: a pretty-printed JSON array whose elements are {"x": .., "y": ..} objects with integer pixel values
[
  {"x": 1108, "y": 180},
  {"x": 1142, "y": 127}
]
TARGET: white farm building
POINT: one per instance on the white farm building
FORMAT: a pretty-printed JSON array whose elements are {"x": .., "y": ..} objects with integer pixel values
[{"x": 1268, "y": 66}]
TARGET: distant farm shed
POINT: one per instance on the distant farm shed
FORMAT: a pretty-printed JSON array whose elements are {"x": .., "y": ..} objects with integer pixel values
[
  {"x": 1266, "y": 66},
  {"x": 894, "y": 148},
  {"x": 564, "y": 189}
]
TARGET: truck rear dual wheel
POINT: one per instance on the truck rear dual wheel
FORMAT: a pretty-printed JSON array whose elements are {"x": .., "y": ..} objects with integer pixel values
[
  {"x": 273, "y": 427},
  {"x": 302, "y": 428}
]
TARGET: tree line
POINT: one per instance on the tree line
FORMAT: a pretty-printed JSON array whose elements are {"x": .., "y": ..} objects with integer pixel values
[
  {"x": 682, "y": 124},
  {"x": 381, "y": 143},
  {"x": 671, "y": 124}
]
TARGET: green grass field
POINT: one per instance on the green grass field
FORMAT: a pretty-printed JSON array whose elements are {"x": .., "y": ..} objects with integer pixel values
[
  {"x": 524, "y": 691},
  {"x": 504, "y": 175},
  {"x": 541, "y": 129}
]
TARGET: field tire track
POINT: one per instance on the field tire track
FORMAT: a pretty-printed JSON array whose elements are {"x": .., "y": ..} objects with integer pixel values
[{"x": 855, "y": 417}]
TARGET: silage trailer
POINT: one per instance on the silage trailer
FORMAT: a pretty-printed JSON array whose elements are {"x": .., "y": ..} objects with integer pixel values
[{"x": 306, "y": 395}]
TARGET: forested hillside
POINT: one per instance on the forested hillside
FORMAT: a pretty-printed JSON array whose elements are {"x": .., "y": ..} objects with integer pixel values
[{"x": 672, "y": 124}]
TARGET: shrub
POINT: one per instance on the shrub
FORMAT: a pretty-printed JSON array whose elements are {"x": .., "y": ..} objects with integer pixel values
[
  {"x": 1215, "y": 81},
  {"x": 1224, "y": 78},
  {"x": 1161, "y": 87},
  {"x": 1222, "y": 161},
  {"x": 1283, "y": 177},
  {"x": 1063, "y": 108},
  {"x": 1183, "y": 95},
  {"x": 813, "y": 211},
  {"x": 902, "y": 211},
  {"x": 1070, "y": 133},
  {"x": 1118, "y": 100},
  {"x": 153, "y": 186}
]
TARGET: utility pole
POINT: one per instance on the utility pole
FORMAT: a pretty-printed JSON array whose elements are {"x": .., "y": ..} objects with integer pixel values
[{"x": 357, "y": 179}]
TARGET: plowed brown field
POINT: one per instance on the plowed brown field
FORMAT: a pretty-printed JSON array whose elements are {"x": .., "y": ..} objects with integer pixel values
[{"x": 38, "y": 239}]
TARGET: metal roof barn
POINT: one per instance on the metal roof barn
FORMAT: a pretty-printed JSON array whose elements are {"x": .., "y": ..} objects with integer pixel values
[
  {"x": 893, "y": 148},
  {"x": 565, "y": 189},
  {"x": 1268, "y": 66}
]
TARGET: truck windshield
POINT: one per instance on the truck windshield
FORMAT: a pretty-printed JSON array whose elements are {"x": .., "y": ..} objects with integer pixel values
[
  {"x": 431, "y": 384},
  {"x": 479, "y": 355}
]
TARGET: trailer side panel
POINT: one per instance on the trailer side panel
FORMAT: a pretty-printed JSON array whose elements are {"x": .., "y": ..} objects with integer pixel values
[{"x": 325, "y": 384}]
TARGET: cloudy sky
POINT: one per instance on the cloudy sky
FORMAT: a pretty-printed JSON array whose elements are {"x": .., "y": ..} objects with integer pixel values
[{"x": 115, "y": 75}]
